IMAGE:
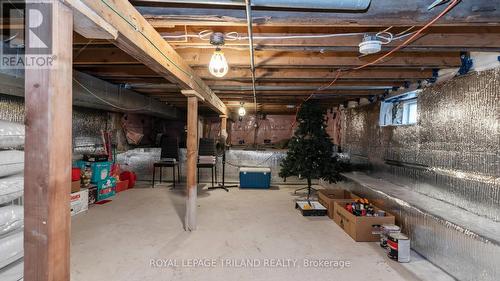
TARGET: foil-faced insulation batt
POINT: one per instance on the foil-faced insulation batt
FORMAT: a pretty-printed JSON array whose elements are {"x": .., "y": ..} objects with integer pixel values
[
  {"x": 465, "y": 245},
  {"x": 451, "y": 154},
  {"x": 87, "y": 125},
  {"x": 141, "y": 162},
  {"x": 449, "y": 161},
  {"x": 11, "y": 135}
]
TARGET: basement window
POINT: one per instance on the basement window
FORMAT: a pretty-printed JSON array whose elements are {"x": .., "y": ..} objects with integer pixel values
[{"x": 399, "y": 110}]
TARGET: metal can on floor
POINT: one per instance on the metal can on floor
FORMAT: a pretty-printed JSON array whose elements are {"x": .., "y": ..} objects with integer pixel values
[{"x": 398, "y": 247}]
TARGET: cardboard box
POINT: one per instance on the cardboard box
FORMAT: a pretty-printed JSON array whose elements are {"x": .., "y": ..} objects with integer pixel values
[
  {"x": 75, "y": 186},
  {"x": 106, "y": 189},
  {"x": 327, "y": 197},
  {"x": 310, "y": 208},
  {"x": 359, "y": 228},
  {"x": 79, "y": 201}
]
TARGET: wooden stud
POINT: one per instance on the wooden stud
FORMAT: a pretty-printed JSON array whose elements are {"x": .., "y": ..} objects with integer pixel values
[
  {"x": 48, "y": 148},
  {"x": 223, "y": 126},
  {"x": 192, "y": 156}
]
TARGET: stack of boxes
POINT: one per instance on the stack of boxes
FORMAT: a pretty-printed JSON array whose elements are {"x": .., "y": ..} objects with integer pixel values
[
  {"x": 96, "y": 179},
  {"x": 101, "y": 178},
  {"x": 359, "y": 227},
  {"x": 79, "y": 196}
]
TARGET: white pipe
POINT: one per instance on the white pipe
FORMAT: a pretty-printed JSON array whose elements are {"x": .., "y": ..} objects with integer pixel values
[
  {"x": 314, "y": 4},
  {"x": 250, "y": 46}
]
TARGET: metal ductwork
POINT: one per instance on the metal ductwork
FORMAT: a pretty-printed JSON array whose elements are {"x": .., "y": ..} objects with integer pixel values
[
  {"x": 353, "y": 5},
  {"x": 314, "y": 4},
  {"x": 92, "y": 92}
]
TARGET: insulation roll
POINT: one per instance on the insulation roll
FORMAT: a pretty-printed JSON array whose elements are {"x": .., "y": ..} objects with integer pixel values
[
  {"x": 11, "y": 135},
  {"x": 11, "y": 162},
  {"x": 13, "y": 272},
  {"x": 11, "y": 219},
  {"x": 11, "y": 248},
  {"x": 11, "y": 188}
]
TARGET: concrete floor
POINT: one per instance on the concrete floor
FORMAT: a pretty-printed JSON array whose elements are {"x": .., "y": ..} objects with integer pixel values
[{"x": 119, "y": 241}]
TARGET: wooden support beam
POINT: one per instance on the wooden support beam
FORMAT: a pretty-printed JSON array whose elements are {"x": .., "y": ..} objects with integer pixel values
[
  {"x": 192, "y": 159},
  {"x": 139, "y": 39},
  {"x": 90, "y": 24},
  {"x": 192, "y": 93},
  {"x": 48, "y": 148},
  {"x": 270, "y": 74},
  {"x": 269, "y": 59}
]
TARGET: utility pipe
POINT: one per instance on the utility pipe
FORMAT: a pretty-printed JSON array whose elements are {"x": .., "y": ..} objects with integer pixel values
[
  {"x": 252, "y": 55},
  {"x": 353, "y": 5}
]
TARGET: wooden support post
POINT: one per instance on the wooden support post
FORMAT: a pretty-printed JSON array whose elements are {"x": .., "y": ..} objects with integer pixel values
[
  {"x": 223, "y": 126},
  {"x": 48, "y": 148},
  {"x": 192, "y": 157}
]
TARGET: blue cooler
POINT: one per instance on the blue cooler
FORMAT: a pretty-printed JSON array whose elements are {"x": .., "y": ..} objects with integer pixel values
[{"x": 255, "y": 177}]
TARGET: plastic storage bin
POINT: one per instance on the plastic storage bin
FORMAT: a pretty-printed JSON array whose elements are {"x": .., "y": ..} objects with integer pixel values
[{"x": 255, "y": 177}]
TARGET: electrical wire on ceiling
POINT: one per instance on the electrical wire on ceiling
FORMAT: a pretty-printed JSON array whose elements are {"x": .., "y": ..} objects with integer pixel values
[
  {"x": 385, "y": 36},
  {"x": 158, "y": 49},
  {"x": 414, "y": 35},
  {"x": 109, "y": 103},
  {"x": 379, "y": 59}
]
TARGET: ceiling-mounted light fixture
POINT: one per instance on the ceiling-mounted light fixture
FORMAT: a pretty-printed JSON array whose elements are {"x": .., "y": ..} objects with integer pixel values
[
  {"x": 218, "y": 64},
  {"x": 242, "y": 111},
  {"x": 371, "y": 44}
]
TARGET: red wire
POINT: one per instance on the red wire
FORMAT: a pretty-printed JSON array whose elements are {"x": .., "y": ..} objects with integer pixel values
[
  {"x": 399, "y": 47},
  {"x": 405, "y": 43}
]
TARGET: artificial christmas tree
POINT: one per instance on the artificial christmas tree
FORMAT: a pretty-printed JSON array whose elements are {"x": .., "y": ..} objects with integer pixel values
[{"x": 310, "y": 151}]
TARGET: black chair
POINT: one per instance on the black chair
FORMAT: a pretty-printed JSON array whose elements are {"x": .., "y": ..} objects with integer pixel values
[
  {"x": 207, "y": 148},
  {"x": 169, "y": 157}
]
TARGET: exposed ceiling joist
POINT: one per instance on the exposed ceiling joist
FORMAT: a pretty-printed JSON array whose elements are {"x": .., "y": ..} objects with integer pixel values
[
  {"x": 139, "y": 39},
  {"x": 270, "y": 59}
]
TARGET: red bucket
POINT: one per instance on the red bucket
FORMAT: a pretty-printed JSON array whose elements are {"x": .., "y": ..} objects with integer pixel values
[
  {"x": 121, "y": 185},
  {"x": 130, "y": 176}
]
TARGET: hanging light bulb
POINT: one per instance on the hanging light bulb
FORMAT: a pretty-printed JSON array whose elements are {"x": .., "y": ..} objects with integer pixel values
[
  {"x": 242, "y": 111},
  {"x": 218, "y": 64}
]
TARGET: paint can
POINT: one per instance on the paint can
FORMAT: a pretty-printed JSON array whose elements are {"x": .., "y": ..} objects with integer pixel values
[
  {"x": 385, "y": 230},
  {"x": 398, "y": 246}
]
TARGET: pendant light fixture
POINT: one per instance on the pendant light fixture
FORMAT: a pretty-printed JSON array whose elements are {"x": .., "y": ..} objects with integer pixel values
[
  {"x": 218, "y": 66},
  {"x": 242, "y": 111}
]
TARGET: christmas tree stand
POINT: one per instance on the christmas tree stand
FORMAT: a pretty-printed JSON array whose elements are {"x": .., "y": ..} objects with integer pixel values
[{"x": 309, "y": 189}]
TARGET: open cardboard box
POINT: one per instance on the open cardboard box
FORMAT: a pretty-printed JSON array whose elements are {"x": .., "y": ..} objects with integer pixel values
[
  {"x": 75, "y": 186},
  {"x": 327, "y": 197},
  {"x": 359, "y": 228}
]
